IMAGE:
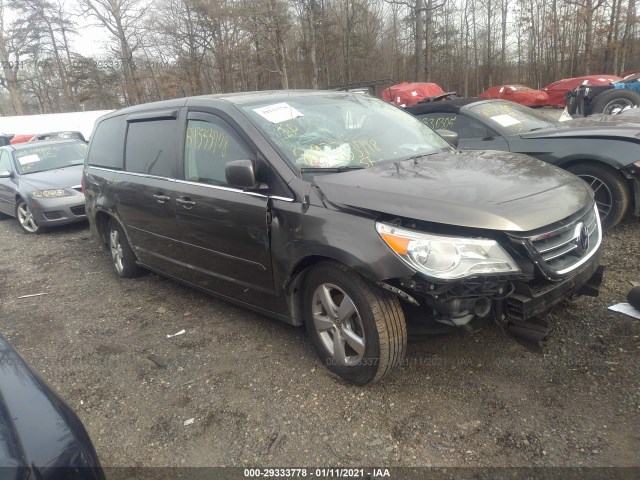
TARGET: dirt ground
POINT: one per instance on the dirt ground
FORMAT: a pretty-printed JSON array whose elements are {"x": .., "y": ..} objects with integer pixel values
[{"x": 258, "y": 396}]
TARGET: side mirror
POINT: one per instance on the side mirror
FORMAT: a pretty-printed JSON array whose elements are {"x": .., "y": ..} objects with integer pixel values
[
  {"x": 449, "y": 136},
  {"x": 5, "y": 174},
  {"x": 240, "y": 173},
  {"x": 508, "y": 91}
]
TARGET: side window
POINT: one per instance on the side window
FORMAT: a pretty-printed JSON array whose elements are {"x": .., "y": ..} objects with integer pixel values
[
  {"x": 439, "y": 120},
  {"x": 468, "y": 127},
  {"x": 152, "y": 148},
  {"x": 5, "y": 162},
  {"x": 208, "y": 147},
  {"x": 106, "y": 144}
]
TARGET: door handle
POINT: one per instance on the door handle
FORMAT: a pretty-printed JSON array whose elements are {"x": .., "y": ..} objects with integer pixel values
[
  {"x": 186, "y": 202},
  {"x": 161, "y": 198}
]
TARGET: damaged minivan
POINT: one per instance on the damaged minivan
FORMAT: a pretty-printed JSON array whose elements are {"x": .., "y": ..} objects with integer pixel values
[{"x": 340, "y": 212}]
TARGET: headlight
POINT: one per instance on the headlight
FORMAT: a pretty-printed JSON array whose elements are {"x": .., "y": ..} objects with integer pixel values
[
  {"x": 447, "y": 258},
  {"x": 59, "y": 192}
]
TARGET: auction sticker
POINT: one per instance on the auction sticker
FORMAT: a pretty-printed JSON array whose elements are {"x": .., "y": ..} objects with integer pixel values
[
  {"x": 278, "y": 112},
  {"x": 505, "y": 120},
  {"x": 28, "y": 159}
]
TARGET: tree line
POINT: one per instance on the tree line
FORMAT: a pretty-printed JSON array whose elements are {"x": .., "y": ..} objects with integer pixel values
[{"x": 174, "y": 48}]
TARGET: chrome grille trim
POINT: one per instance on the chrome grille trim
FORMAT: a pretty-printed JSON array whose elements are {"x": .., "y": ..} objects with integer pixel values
[{"x": 553, "y": 251}]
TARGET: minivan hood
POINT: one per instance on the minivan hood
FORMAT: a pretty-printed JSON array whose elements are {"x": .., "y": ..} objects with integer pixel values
[
  {"x": 478, "y": 189},
  {"x": 59, "y": 178}
]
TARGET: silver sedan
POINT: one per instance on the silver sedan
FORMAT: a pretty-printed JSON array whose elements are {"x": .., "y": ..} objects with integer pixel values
[{"x": 40, "y": 183}]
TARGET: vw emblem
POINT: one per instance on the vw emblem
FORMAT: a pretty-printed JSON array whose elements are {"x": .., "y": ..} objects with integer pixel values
[{"x": 582, "y": 238}]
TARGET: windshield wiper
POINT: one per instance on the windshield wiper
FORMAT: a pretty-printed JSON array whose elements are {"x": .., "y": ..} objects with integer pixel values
[{"x": 330, "y": 169}]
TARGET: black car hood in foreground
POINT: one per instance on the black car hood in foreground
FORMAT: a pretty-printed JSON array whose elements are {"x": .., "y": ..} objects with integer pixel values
[
  {"x": 487, "y": 190},
  {"x": 58, "y": 178},
  {"x": 40, "y": 437}
]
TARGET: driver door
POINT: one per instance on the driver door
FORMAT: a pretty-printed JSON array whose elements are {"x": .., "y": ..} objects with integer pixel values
[{"x": 224, "y": 230}]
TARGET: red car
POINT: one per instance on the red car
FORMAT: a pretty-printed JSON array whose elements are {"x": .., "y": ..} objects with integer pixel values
[
  {"x": 517, "y": 93},
  {"x": 405, "y": 94},
  {"x": 557, "y": 90}
]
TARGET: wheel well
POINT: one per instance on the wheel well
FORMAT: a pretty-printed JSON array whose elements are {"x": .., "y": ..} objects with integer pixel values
[
  {"x": 294, "y": 286},
  {"x": 599, "y": 163},
  {"x": 582, "y": 161},
  {"x": 102, "y": 221}
]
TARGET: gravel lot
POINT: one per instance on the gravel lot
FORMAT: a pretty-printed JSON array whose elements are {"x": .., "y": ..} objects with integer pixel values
[{"x": 259, "y": 397}]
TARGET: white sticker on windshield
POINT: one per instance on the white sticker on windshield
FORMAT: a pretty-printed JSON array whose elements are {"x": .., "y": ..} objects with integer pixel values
[
  {"x": 278, "y": 113},
  {"x": 28, "y": 159},
  {"x": 505, "y": 120}
]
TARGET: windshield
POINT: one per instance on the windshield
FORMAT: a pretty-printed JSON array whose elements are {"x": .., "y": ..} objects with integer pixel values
[
  {"x": 511, "y": 118},
  {"x": 342, "y": 131},
  {"x": 49, "y": 157}
]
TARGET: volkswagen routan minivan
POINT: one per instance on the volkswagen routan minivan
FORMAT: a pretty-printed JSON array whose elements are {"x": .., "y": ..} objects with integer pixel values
[{"x": 340, "y": 212}]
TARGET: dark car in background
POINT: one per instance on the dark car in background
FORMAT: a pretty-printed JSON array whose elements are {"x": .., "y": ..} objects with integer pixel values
[
  {"x": 40, "y": 183},
  {"x": 341, "y": 212},
  {"x": 609, "y": 99},
  {"x": 40, "y": 436},
  {"x": 67, "y": 134},
  {"x": 607, "y": 157},
  {"x": 558, "y": 90}
]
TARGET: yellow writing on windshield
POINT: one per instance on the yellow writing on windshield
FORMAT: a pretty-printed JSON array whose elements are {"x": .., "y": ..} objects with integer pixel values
[
  {"x": 358, "y": 150},
  {"x": 39, "y": 151},
  {"x": 287, "y": 130}
]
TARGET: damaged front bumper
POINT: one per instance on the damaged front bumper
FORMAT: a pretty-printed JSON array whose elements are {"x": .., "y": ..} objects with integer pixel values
[{"x": 515, "y": 303}]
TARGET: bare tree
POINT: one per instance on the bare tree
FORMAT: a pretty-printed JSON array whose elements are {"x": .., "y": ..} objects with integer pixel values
[{"x": 121, "y": 18}]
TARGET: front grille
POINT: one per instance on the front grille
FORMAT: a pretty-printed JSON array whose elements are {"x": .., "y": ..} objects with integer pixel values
[
  {"x": 561, "y": 250},
  {"x": 78, "y": 210}
]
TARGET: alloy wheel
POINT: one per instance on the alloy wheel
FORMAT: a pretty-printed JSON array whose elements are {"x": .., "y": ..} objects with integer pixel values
[
  {"x": 602, "y": 194},
  {"x": 338, "y": 324},
  {"x": 25, "y": 217},
  {"x": 116, "y": 250}
]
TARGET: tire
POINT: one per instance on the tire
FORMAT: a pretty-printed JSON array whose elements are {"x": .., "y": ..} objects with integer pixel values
[
  {"x": 122, "y": 257},
  {"x": 372, "y": 334},
  {"x": 611, "y": 191},
  {"x": 25, "y": 218},
  {"x": 615, "y": 99}
]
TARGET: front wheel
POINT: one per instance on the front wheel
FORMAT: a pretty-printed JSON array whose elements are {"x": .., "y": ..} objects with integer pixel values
[
  {"x": 122, "y": 256},
  {"x": 357, "y": 328},
  {"x": 25, "y": 218},
  {"x": 610, "y": 190}
]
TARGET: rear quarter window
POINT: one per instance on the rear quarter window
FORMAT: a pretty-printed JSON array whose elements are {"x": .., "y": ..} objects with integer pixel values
[
  {"x": 107, "y": 147},
  {"x": 152, "y": 147}
]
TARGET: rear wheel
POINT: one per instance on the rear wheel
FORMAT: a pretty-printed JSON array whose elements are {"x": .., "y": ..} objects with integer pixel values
[
  {"x": 357, "y": 328},
  {"x": 122, "y": 257},
  {"x": 610, "y": 190},
  {"x": 613, "y": 101},
  {"x": 25, "y": 218}
]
